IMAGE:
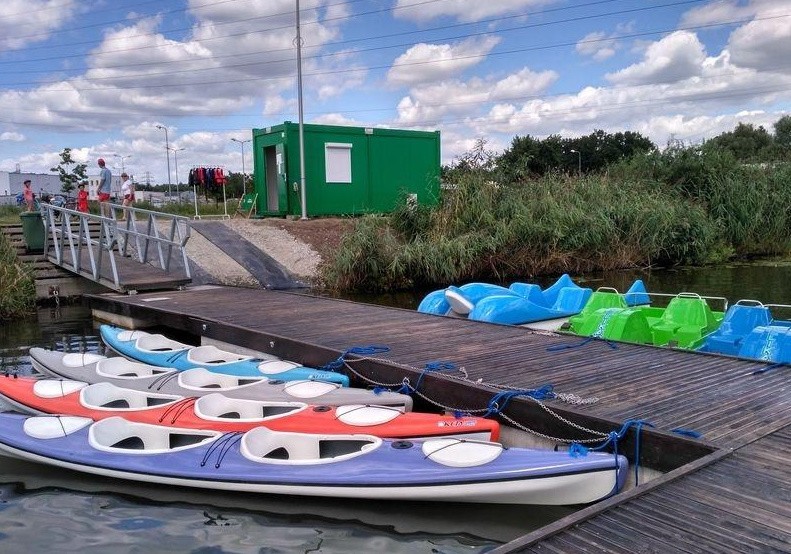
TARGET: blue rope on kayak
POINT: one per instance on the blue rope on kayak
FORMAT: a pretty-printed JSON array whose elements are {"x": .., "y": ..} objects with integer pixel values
[
  {"x": 337, "y": 364},
  {"x": 686, "y": 432},
  {"x": 223, "y": 444},
  {"x": 559, "y": 347},
  {"x": 500, "y": 400},
  {"x": 430, "y": 367},
  {"x": 613, "y": 437},
  {"x": 768, "y": 368}
]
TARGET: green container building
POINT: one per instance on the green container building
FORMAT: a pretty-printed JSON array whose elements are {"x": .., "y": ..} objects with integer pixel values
[{"x": 348, "y": 170}]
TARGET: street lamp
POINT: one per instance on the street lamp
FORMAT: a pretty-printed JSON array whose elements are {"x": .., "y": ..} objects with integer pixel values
[
  {"x": 244, "y": 180},
  {"x": 176, "y": 160},
  {"x": 167, "y": 153},
  {"x": 579, "y": 161},
  {"x": 122, "y": 160}
]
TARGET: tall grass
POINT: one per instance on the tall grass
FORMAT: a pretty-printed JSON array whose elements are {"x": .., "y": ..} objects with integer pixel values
[
  {"x": 17, "y": 286},
  {"x": 487, "y": 231}
]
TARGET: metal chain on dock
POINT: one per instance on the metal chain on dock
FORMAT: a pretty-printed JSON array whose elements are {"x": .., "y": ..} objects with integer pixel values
[{"x": 569, "y": 398}]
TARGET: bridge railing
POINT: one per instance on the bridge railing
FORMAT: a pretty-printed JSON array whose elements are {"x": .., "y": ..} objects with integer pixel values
[{"x": 149, "y": 237}]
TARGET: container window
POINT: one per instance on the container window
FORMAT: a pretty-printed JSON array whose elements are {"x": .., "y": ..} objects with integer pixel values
[{"x": 338, "y": 162}]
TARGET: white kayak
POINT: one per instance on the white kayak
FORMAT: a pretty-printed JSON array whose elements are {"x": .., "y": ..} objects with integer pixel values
[{"x": 91, "y": 367}]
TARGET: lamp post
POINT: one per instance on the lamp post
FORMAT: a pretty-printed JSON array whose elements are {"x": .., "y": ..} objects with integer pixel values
[
  {"x": 302, "y": 186},
  {"x": 579, "y": 161},
  {"x": 176, "y": 160},
  {"x": 244, "y": 178},
  {"x": 122, "y": 160},
  {"x": 167, "y": 153}
]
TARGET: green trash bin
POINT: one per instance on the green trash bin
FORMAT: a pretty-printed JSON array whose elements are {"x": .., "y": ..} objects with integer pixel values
[{"x": 33, "y": 231}]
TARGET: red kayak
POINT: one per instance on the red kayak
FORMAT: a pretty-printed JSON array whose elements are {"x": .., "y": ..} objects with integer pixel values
[{"x": 220, "y": 413}]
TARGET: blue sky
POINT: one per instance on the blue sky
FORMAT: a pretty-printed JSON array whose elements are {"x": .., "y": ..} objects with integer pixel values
[{"x": 100, "y": 77}]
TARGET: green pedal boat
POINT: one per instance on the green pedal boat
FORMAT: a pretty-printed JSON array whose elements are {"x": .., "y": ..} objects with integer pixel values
[{"x": 683, "y": 323}]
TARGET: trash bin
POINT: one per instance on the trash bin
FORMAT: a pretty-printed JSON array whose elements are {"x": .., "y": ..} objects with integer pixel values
[{"x": 33, "y": 231}]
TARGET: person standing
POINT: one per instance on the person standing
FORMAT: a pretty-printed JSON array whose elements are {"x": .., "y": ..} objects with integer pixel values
[
  {"x": 127, "y": 192},
  {"x": 105, "y": 183},
  {"x": 27, "y": 195},
  {"x": 82, "y": 198}
]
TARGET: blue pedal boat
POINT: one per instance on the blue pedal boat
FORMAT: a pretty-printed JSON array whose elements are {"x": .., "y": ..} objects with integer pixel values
[{"x": 748, "y": 330}]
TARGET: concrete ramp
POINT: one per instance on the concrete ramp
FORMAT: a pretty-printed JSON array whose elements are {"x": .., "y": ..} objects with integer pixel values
[{"x": 263, "y": 267}]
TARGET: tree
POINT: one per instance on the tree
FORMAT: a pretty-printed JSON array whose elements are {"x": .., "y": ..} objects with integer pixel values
[
  {"x": 478, "y": 160},
  {"x": 69, "y": 177},
  {"x": 783, "y": 131},
  {"x": 746, "y": 142}
]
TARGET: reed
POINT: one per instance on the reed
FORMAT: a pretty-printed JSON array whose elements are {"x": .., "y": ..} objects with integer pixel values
[
  {"x": 17, "y": 286},
  {"x": 488, "y": 231}
]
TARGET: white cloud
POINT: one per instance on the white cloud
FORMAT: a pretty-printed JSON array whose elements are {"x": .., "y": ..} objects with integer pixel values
[
  {"x": 23, "y": 22},
  {"x": 597, "y": 46},
  {"x": 335, "y": 119},
  {"x": 12, "y": 136},
  {"x": 463, "y": 10},
  {"x": 434, "y": 62},
  {"x": 716, "y": 12},
  {"x": 429, "y": 103},
  {"x": 763, "y": 44},
  {"x": 707, "y": 96},
  {"x": 676, "y": 57}
]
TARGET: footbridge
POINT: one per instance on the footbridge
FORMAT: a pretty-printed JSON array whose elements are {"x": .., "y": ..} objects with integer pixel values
[{"x": 129, "y": 250}]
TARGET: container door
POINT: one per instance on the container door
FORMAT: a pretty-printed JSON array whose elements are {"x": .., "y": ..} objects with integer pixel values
[{"x": 274, "y": 171}]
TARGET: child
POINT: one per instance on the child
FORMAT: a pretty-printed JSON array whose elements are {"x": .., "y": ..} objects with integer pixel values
[
  {"x": 82, "y": 198},
  {"x": 27, "y": 193}
]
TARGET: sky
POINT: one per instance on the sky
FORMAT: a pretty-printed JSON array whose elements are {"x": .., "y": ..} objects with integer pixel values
[{"x": 125, "y": 80}]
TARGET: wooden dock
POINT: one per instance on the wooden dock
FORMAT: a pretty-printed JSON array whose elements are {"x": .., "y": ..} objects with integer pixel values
[{"x": 727, "y": 491}]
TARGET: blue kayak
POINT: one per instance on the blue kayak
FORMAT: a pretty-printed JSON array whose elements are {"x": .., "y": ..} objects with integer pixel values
[
  {"x": 341, "y": 466},
  {"x": 158, "y": 350}
]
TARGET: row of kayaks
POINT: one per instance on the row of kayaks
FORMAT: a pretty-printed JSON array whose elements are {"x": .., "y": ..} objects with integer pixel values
[
  {"x": 746, "y": 329},
  {"x": 214, "y": 423}
]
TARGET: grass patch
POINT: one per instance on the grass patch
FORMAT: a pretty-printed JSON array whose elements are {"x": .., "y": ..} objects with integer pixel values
[{"x": 17, "y": 286}]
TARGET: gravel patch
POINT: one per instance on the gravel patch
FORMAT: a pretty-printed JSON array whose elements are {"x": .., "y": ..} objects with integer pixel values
[{"x": 296, "y": 256}]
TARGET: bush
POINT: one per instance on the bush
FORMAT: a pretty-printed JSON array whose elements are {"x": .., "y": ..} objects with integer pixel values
[{"x": 17, "y": 286}]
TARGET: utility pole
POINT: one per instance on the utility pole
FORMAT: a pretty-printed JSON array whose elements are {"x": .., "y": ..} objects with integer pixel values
[
  {"x": 301, "y": 126},
  {"x": 244, "y": 175},
  {"x": 176, "y": 160},
  {"x": 167, "y": 153}
]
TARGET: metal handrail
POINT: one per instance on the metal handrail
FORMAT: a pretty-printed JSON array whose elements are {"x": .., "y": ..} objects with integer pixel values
[
  {"x": 691, "y": 295},
  {"x": 147, "y": 236}
]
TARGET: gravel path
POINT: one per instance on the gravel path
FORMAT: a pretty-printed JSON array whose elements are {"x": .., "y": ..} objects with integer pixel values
[{"x": 296, "y": 256}]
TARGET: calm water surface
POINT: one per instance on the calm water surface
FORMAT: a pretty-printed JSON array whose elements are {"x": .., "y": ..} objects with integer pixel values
[{"x": 41, "y": 506}]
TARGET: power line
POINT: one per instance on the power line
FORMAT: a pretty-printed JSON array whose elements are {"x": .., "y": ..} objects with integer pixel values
[
  {"x": 362, "y": 50},
  {"x": 216, "y": 24},
  {"x": 367, "y": 68}
]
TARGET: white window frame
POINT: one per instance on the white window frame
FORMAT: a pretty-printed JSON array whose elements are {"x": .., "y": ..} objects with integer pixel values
[{"x": 338, "y": 162}]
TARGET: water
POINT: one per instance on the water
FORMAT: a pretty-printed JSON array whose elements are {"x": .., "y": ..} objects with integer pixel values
[{"x": 92, "y": 514}]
